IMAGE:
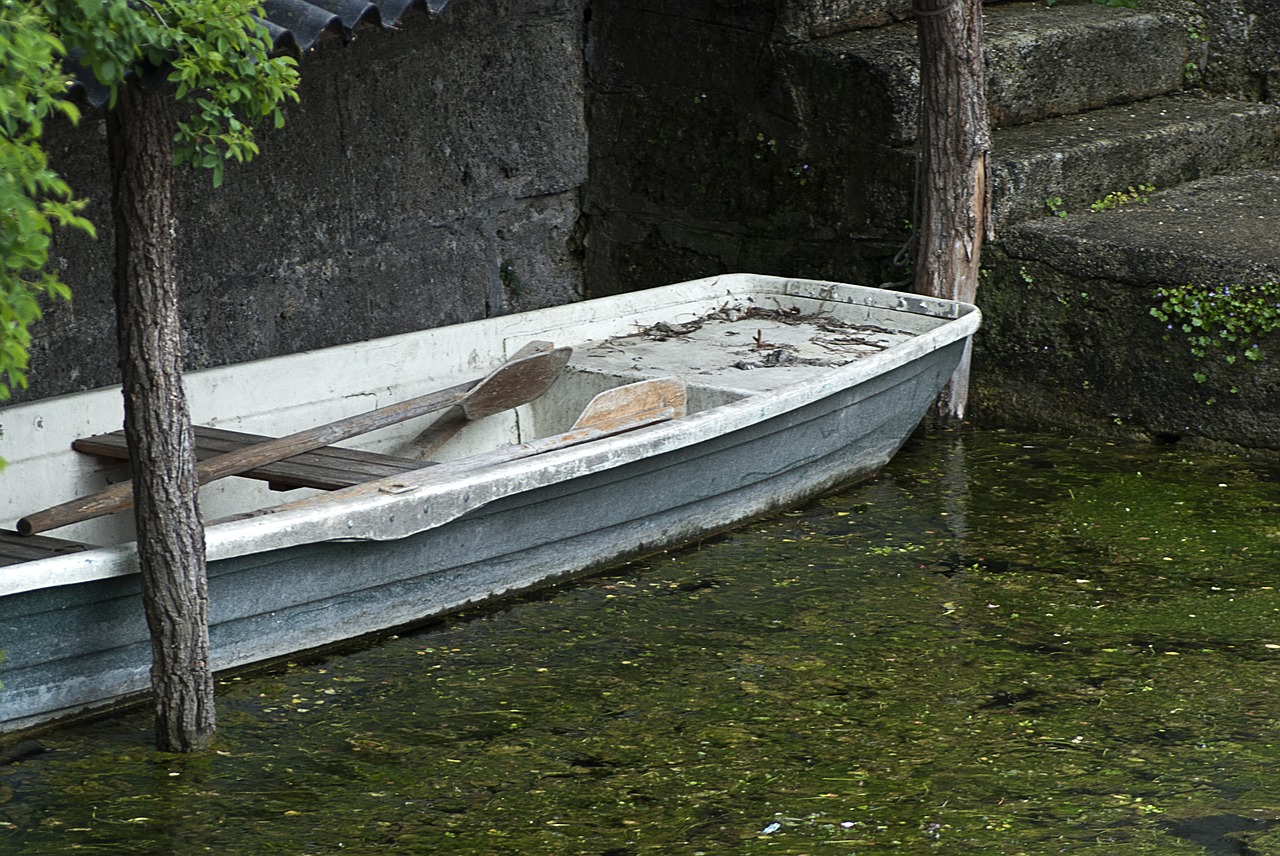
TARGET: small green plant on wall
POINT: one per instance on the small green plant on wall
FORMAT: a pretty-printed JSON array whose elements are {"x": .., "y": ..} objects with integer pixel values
[
  {"x": 1225, "y": 316},
  {"x": 1123, "y": 197},
  {"x": 1197, "y": 57}
]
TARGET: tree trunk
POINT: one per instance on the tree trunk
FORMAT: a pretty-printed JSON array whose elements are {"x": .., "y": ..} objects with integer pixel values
[
  {"x": 157, "y": 423},
  {"x": 955, "y": 140}
]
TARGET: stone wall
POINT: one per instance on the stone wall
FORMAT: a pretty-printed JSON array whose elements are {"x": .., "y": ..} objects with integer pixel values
[
  {"x": 430, "y": 175},
  {"x": 1062, "y": 350}
]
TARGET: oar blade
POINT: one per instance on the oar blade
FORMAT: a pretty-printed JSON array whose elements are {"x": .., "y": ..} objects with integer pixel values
[
  {"x": 516, "y": 382},
  {"x": 635, "y": 405}
]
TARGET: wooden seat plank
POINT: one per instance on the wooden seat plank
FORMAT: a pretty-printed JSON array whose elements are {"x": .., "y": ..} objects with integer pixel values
[
  {"x": 326, "y": 468},
  {"x": 16, "y": 549}
]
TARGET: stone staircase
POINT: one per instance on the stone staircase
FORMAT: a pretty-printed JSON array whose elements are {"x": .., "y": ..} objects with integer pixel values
[
  {"x": 1087, "y": 103},
  {"x": 1084, "y": 101},
  {"x": 1159, "y": 142}
]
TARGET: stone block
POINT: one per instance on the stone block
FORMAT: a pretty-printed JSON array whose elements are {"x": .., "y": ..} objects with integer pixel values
[
  {"x": 806, "y": 19},
  {"x": 1069, "y": 338},
  {"x": 1160, "y": 142},
  {"x": 1040, "y": 62},
  {"x": 1043, "y": 61},
  {"x": 1221, "y": 229}
]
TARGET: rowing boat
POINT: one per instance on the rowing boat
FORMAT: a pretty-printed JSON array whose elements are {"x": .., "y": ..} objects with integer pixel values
[{"x": 723, "y": 399}]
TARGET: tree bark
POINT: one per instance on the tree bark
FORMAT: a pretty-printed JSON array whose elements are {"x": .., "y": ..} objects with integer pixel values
[
  {"x": 171, "y": 549},
  {"x": 955, "y": 140}
]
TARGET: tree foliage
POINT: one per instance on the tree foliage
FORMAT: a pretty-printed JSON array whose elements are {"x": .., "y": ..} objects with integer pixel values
[
  {"x": 33, "y": 197},
  {"x": 215, "y": 54}
]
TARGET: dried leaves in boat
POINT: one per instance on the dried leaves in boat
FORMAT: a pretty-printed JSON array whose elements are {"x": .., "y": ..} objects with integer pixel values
[{"x": 846, "y": 341}]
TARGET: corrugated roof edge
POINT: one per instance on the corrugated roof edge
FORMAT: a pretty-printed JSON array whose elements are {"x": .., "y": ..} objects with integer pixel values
[{"x": 295, "y": 26}]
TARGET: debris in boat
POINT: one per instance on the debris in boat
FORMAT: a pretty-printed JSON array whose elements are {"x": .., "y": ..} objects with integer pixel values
[
  {"x": 779, "y": 337},
  {"x": 662, "y": 330},
  {"x": 759, "y": 343},
  {"x": 859, "y": 344},
  {"x": 783, "y": 357}
]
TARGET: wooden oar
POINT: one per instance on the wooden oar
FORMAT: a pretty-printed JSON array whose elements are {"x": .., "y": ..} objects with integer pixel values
[
  {"x": 453, "y": 420},
  {"x": 516, "y": 382},
  {"x": 634, "y": 405},
  {"x": 612, "y": 412}
]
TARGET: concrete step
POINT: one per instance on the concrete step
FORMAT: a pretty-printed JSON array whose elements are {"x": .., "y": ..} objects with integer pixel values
[
  {"x": 1161, "y": 141},
  {"x": 1068, "y": 337},
  {"x": 1056, "y": 61},
  {"x": 1222, "y": 230},
  {"x": 1040, "y": 61}
]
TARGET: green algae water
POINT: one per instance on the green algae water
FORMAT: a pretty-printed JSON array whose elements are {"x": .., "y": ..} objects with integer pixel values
[{"x": 1005, "y": 644}]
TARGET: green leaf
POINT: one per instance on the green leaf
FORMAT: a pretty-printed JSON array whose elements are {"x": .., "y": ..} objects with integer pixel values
[{"x": 221, "y": 65}]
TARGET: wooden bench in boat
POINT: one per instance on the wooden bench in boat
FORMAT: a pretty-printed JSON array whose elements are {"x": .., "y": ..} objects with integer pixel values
[
  {"x": 16, "y": 549},
  {"x": 326, "y": 468}
]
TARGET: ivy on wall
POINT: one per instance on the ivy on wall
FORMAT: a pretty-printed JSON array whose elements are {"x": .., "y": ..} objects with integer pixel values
[{"x": 1233, "y": 317}]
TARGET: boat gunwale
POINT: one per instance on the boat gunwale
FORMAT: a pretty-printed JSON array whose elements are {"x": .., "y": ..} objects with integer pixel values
[{"x": 399, "y": 506}]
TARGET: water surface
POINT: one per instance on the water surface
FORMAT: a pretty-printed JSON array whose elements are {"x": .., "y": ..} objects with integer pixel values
[{"x": 1006, "y": 644}]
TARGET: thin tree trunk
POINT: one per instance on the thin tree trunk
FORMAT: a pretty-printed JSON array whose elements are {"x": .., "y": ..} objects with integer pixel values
[
  {"x": 955, "y": 140},
  {"x": 171, "y": 549}
]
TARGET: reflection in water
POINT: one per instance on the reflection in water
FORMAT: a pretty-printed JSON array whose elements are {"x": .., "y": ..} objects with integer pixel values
[
  {"x": 1005, "y": 644},
  {"x": 956, "y": 495}
]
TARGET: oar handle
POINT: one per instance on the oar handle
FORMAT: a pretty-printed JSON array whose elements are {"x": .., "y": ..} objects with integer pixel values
[{"x": 119, "y": 496}]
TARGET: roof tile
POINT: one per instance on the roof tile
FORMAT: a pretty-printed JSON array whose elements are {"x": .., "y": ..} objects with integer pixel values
[{"x": 296, "y": 26}]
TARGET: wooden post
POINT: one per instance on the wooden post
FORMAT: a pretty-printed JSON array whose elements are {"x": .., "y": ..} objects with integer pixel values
[
  {"x": 955, "y": 140},
  {"x": 171, "y": 549}
]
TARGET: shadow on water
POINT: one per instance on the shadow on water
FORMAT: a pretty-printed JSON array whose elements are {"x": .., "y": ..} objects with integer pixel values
[
  {"x": 1223, "y": 834},
  {"x": 1005, "y": 644}
]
